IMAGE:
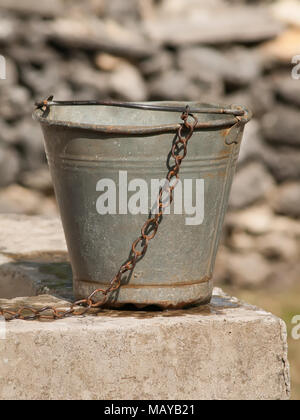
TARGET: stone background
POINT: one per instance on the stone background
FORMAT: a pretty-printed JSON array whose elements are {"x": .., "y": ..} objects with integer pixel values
[{"x": 233, "y": 51}]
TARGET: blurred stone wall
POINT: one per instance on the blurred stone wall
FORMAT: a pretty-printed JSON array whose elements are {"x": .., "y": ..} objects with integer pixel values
[{"x": 219, "y": 51}]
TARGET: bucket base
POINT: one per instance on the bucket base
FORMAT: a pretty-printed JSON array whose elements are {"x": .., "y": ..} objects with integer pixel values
[{"x": 165, "y": 297}]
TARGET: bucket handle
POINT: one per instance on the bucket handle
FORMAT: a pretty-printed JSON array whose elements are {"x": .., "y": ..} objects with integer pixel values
[
  {"x": 240, "y": 115},
  {"x": 238, "y": 112}
]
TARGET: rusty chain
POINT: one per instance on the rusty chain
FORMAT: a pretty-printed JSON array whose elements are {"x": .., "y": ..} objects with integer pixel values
[{"x": 148, "y": 232}]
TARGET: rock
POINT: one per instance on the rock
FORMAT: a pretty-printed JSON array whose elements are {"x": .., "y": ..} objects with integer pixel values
[
  {"x": 50, "y": 8},
  {"x": 260, "y": 220},
  {"x": 14, "y": 101},
  {"x": 122, "y": 11},
  {"x": 39, "y": 180},
  {"x": 12, "y": 76},
  {"x": 237, "y": 67},
  {"x": 280, "y": 242},
  {"x": 241, "y": 241},
  {"x": 19, "y": 200},
  {"x": 282, "y": 126},
  {"x": 251, "y": 184},
  {"x": 35, "y": 261},
  {"x": 283, "y": 162},
  {"x": 286, "y": 199},
  {"x": 203, "y": 63},
  {"x": 7, "y": 133},
  {"x": 216, "y": 26},
  {"x": 61, "y": 91},
  {"x": 96, "y": 7},
  {"x": 8, "y": 29},
  {"x": 258, "y": 231},
  {"x": 147, "y": 9},
  {"x": 249, "y": 270},
  {"x": 287, "y": 11},
  {"x": 244, "y": 66},
  {"x": 175, "y": 85},
  {"x": 26, "y": 278},
  {"x": 262, "y": 98},
  {"x": 108, "y": 62},
  {"x": 175, "y": 8},
  {"x": 286, "y": 276},
  {"x": 258, "y": 97},
  {"x": 282, "y": 48},
  {"x": 221, "y": 272},
  {"x": 172, "y": 85},
  {"x": 286, "y": 226},
  {"x": 236, "y": 351},
  {"x": 33, "y": 301},
  {"x": 30, "y": 138},
  {"x": 158, "y": 63},
  {"x": 87, "y": 79},
  {"x": 48, "y": 207},
  {"x": 127, "y": 83},
  {"x": 240, "y": 96},
  {"x": 275, "y": 246},
  {"x": 252, "y": 143},
  {"x": 9, "y": 165},
  {"x": 87, "y": 92},
  {"x": 92, "y": 34},
  {"x": 35, "y": 34},
  {"x": 39, "y": 238},
  {"x": 256, "y": 220},
  {"x": 44, "y": 80},
  {"x": 37, "y": 56},
  {"x": 287, "y": 89}
]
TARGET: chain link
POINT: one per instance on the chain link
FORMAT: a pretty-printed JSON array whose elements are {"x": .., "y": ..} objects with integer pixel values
[{"x": 148, "y": 232}]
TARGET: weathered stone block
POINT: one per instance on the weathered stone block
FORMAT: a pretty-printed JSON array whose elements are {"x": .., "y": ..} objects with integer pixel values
[
  {"x": 33, "y": 257},
  {"x": 226, "y": 350}
]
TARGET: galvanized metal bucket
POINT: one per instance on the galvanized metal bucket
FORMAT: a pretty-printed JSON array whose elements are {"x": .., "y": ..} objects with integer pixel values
[{"x": 86, "y": 143}]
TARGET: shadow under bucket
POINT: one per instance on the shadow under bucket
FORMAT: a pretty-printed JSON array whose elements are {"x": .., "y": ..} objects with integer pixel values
[{"x": 106, "y": 162}]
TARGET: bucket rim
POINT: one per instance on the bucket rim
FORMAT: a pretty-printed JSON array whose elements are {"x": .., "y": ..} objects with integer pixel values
[{"x": 222, "y": 123}]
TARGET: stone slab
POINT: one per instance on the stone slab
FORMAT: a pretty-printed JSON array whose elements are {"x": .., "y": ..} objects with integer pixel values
[
  {"x": 225, "y": 350},
  {"x": 214, "y": 27},
  {"x": 33, "y": 257}
]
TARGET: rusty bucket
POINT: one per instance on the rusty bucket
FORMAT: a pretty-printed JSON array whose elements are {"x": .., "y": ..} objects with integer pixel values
[{"x": 107, "y": 162}]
